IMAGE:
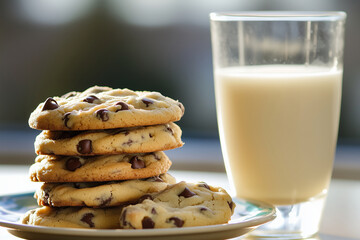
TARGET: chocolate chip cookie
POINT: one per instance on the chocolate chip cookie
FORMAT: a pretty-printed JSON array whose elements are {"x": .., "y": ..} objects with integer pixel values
[
  {"x": 74, "y": 217},
  {"x": 105, "y": 108},
  {"x": 181, "y": 205},
  {"x": 55, "y": 168},
  {"x": 111, "y": 141},
  {"x": 100, "y": 194}
]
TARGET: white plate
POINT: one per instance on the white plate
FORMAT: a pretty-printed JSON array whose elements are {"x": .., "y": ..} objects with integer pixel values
[{"x": 248, "y": 215}]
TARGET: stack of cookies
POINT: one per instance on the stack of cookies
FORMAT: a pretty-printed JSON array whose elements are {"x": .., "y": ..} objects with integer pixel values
[{"x": 101, "y": 161}]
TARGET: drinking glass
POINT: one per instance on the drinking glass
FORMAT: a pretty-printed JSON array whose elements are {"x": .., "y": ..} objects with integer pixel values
[{"x": 278, "y": 79}]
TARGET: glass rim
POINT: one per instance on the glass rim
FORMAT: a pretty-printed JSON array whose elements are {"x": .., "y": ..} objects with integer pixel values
[{"x": 278, "y": 16}]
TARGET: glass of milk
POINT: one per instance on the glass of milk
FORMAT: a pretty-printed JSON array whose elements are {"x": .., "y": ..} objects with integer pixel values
[{"x": 278, "y": 78}]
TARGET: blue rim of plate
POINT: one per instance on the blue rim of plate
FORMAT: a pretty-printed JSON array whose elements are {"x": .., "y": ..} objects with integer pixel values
[{"x": 247, "y": 214}]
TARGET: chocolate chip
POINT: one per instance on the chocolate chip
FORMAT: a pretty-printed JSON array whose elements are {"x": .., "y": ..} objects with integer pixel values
[
  {"x": 181, "y": 106},
  {"x": 147, "y": 223},
  {"x": 204, "y": 185},
  {"x": 177, "y": 221},
  {"x": 153, "y": 211},
  {"x": 129, "y": 142},
  {"x": 50, "y": 104},
  {"x": 186, "y": 193},
  {"x": 147, "y": 101},
  {"x": 73, "y": 163},
  {"x": 231, "y": 205},
  {"x": 84, "y": 146},
  {"x": 77, "y": 185},
  {"x": 102, "y": 114},
  {"x": 105, "y": 202},
  {"x": 203, "y": 209},
  {"x": 169, "y": 129},
  {"x": 90, "y": 99},
  {"x": 146, "y": 196},
  {"x": 123, "y": 105},
  {"x": 137, "y": 163},
  {"x": 156, "y": 179},
  {"x": 66, "y": 118},
  {"x": 150, "y": 135},
  {"x": 87, "y": 218}
]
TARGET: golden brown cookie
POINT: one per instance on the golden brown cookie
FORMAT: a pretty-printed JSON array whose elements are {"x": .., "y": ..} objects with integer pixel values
[
  {"x": 73, "y": 217},
  {"x": 104, "y": 108},
  {"x": 100, "y": 194},
  {"x": 53, "y": 168},
  {"x": 111, "y": 141},
  {"x": 181, "y": 205}
]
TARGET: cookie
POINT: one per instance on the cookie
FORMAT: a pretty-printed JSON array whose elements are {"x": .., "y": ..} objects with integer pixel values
[
  {"x": 100, "y": 194},
  {"x": 181, "y": 205},
  {"x": 73, "y": 217},
  {"x": 105, "y": 108},
  {"x": 111, "y": 141},
  {"x": 54, "y": 168}
]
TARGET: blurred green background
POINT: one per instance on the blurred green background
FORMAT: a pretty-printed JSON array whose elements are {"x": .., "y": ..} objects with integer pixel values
[{"x": 50, "y": 47}]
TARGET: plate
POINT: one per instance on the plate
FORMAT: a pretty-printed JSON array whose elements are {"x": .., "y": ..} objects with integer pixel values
[{"x": 247, "y": 216}]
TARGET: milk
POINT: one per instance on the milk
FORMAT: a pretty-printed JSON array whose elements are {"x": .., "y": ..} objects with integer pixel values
[{"x": 278, "y": 129}]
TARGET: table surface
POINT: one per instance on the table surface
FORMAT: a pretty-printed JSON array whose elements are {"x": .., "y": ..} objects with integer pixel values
[{"x": 341, "y": 216}]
